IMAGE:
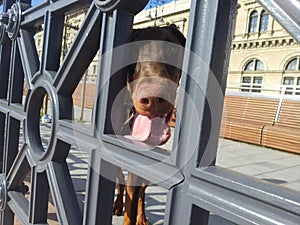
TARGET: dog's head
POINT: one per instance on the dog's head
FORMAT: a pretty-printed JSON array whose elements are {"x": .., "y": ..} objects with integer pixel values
[{"x": 153, "y": 81}]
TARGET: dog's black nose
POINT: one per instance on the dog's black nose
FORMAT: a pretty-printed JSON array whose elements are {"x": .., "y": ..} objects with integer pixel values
[{"x": 152, "y": 102}]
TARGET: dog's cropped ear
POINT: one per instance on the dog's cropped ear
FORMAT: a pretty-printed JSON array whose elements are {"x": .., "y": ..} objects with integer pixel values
[
  {"x": 132, "y": 70},
  {"x": 179, "y": 36},
  {"x": 129, "y": 80},
  {"x": 136, "y": 33}
]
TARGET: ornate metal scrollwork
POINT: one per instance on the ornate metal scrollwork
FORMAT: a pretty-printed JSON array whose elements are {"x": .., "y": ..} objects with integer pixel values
[{"x": 10, "y": 22}]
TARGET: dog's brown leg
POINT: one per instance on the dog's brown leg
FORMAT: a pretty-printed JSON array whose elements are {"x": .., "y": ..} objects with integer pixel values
[
  {"x": 141, "y": 216},
  {"x": 131, "y": 201},
  {"x": 118, "y": 205}
]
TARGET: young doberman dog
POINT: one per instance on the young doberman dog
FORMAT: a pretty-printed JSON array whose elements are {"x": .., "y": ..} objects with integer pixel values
[{"x": 152, "y": 84}]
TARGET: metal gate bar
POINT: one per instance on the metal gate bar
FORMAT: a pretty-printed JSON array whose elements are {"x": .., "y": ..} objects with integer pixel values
[
  {"x": 210, "y": 31},
  {"x": 196, "y": 186},
  {"x": 5, "y": 50}
]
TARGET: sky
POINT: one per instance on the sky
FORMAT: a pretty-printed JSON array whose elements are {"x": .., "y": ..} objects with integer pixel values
[
  {"x": 34, "y": 2},
  {"x": 151, "y": 2}
]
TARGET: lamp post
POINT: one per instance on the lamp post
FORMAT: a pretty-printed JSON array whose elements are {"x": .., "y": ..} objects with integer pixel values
[{"x": 156, "y": 4}]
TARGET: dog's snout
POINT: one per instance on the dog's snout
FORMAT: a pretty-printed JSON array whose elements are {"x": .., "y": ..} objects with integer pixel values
[{"x": 154, "y": 98}]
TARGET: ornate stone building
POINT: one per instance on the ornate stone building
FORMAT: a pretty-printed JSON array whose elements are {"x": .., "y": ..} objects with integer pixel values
[{"x": 264, "y": 57}]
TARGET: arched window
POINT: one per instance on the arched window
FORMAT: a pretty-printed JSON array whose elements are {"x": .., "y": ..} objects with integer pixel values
[
  {"x": 254, "y": 65},
  {"x": 264, "y": 21},
  {"x": 251, "y": 80},
  {"x": 259, "y": 65},
  {"x": 293, "y": 64},
  {"x": 250, "y": 66},
  {"x": 291, "y": 79},
  {"x": 253, "y": 22}
]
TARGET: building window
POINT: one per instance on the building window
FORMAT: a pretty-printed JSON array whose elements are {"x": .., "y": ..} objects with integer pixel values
[
  {"x": 251, "y": 81},
  {"x": 264, "y": 21},
  {"x": 293, "y": 65},
  {"x": 288, "y": 82},
  {"x": 253, "y": 22},
  {"x": 246, "y": 84},
  {"x": 94, "y": 69},
  {"x": 291, "y": 81},
  {"x": 292, "y": 85},
  {"x": 257, "y": 81},
  {"x": 254, "y": 65},
  {"x": 250, "y": 66},
  {"x": 258, "y": 22},
  {"x": 259, "y": 66},
  {"x": 298, "y": 86},
  {"x": 251, "y": 84}
]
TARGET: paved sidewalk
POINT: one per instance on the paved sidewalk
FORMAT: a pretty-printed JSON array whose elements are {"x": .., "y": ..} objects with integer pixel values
[{"x": 271, "y": 165}]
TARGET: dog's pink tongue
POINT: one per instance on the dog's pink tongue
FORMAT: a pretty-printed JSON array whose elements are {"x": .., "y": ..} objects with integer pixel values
[
  {"x": 153, "y": 130},
  {"x": 141, "y": 128}
]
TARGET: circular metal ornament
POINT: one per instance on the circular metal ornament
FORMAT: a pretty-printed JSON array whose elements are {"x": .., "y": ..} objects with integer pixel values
[
  {"x": 106, "y": 5},
  {"x": 14, "y": 21},
  {"x": 40, "y": 155},
  {"x": 131, "y": 6},
  {"x": 3, "y": 192}
]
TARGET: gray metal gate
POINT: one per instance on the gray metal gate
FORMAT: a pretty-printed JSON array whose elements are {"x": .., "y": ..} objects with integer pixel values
[{"x": 196, "y": 187}]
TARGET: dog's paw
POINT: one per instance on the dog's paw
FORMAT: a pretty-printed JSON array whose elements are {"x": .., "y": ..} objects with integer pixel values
[
  {"x": 142, "y": 220},
  {"x": 117, "y": 210},
  {"x": 118, "y": 207}
]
